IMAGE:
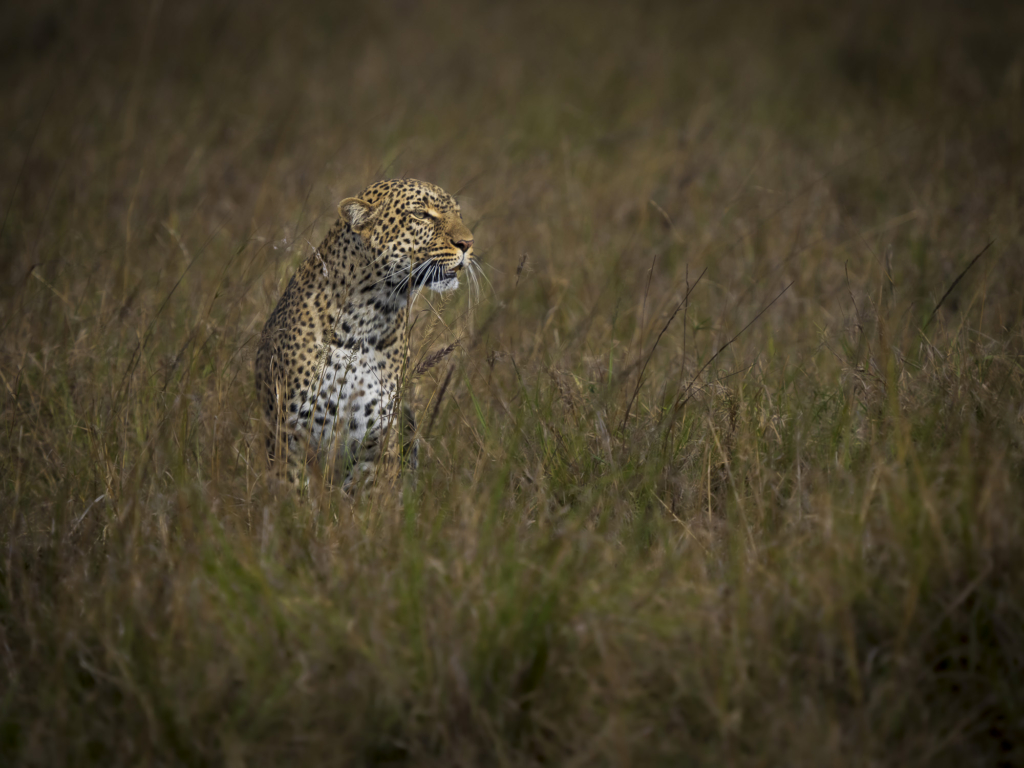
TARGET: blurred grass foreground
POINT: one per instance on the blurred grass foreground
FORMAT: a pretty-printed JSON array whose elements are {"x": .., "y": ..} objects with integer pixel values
[{"x": 724, "y": 467}]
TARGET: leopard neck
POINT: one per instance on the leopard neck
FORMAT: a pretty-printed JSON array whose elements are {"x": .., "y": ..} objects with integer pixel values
[{"x": 372, "y": 301}]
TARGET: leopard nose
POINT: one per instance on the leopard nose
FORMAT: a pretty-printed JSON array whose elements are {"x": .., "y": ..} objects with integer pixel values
[{"x": 463, "y": 245}]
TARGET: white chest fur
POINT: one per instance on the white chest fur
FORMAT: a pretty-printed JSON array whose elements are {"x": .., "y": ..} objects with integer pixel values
[{"x": 351, "y": 396}]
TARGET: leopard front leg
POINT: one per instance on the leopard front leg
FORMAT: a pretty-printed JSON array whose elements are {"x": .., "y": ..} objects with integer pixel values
[
  {"x": 285, "y": 459},
  {"x": 285, "y": 456},
  {"x": 360, "y": 459},
  {"x": 365, "y": 458}
]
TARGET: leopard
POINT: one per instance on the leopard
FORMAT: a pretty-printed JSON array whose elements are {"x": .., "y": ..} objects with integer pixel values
[{"x": 333, "y": 353}]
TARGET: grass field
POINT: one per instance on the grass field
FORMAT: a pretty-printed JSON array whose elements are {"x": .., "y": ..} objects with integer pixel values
[{"x": 725, "y": 466}]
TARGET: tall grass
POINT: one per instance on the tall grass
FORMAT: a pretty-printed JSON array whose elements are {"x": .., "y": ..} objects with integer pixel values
[{"x": 717, "y": 473}]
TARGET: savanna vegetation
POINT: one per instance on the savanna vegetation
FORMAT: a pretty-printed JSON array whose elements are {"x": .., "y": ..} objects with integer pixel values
[{"x": 724, "y": 465}]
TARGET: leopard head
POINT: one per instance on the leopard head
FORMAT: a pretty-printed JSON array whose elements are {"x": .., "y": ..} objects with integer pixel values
[{"x": 414, "y": 230}]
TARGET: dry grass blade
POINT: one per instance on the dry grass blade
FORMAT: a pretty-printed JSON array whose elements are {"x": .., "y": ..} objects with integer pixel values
[
  {"x": 437, "y": 401},
  {"x": 954, "y": 283},
  {"x": 640, "y": 377},
  {"x": 688, "y": 392}
]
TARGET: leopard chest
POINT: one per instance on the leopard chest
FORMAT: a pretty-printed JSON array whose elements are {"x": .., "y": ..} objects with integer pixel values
[{"x": 352, "y": 398}]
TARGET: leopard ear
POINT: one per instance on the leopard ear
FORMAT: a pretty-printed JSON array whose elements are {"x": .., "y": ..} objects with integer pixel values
[{"x": 358, "y": 213}]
